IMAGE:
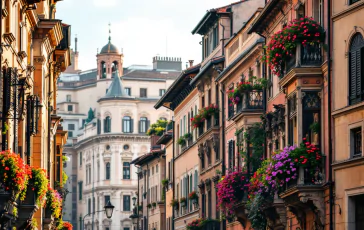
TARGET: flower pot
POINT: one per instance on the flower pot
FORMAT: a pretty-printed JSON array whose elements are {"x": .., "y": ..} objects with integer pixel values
[
  {"x": 26, "y": 209},
  {"x": 7, "y": 206},
  {"x": 48, "y": 219}
]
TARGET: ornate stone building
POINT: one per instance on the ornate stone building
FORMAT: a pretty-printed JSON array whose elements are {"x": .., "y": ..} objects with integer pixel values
[{"x": 107, "y": 112}]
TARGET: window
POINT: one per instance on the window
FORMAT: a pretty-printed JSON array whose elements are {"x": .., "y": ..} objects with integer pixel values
[
  {"x": 126, "y": 170},
  {"x": 80, "y": 190},
  {"x": 143, "y": 125},
  {"x": 231, "y": 154},
  {"x": 356, "y": 67},
  {"x": 356, "y": 142},
  {"x": 107, "y": 124},
  {"x": 70, "y": 108},
  {"x": 143, "y": 92},
  {"x": 127, "y": 124},
  {"x": 68, "y": 98},
  {"x": 70, "y": 134},
  {"x": 107, "y": 173},
  {"x": 71, "y": 126},
  {"x": 230, "y": 109},
  {"x": 126, "y": 203},
  {"x": 80, "y": 158},
  {"x": 98, "y": 171},
  {"x": 353, "y": 1},
  {"x": 89, "y": 206},
  {"x": 93, "y": 204},
  {"x": 162, "y": 92},
  {"x": 195, "y": 180},
  {"x": 107, "y": 199},
  {"x": 317, "y": 11},
  {"x": 126, "y": 228},
  {"x": 215, "y": 34},
  {"x": 156, "y": 169},
  {"x": 128, "y": 91},
  {"x": 98, "y": 126}
]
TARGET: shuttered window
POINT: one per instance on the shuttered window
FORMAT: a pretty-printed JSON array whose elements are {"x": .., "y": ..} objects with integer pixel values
[
  {"x": 107, "y": 124},
  {"x": 127, "y": 125},
  {"x": 143, "y": 125},
  {"x": 231, "y": 150},
  {"x": 356, "y": 62}
]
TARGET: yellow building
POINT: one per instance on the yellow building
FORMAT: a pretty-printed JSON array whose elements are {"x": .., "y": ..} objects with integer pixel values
[{"x": 35, "y": 50}]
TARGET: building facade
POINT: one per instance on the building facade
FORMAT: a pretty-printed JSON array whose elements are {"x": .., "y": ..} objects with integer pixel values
[
  {"x": 108, "y": 111},
  {"x": 34, "y": 52},
  {"x": 347, "y": 113}
]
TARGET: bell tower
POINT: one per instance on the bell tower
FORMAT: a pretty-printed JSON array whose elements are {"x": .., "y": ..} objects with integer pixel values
[{"x": 109, "y": 61}]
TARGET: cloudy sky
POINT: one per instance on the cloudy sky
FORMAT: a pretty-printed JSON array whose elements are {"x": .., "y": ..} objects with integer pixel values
[{"x": 143, "y": 28}]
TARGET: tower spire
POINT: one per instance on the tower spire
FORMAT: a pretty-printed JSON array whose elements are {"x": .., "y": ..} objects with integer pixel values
[
  {"x": 109, "y": 32},
  {"x": 76, "y": 43}
]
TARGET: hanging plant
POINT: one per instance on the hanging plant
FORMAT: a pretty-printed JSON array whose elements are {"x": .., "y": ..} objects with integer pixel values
[
  {"x": 197, "y": 120},
  {"x": 188, "y": 136},
  {"x": 5, "y": 129},
  {"x": 54, "y": 202},
  {"x": 67, "y": 226},
  {"x": 193, "y": 196},
  {"x": 174, "y": 203},
  {"x": 38, "y": 182},
  {"x": 181, "y": 140},
  {"x": 230, "y": 191},
  {"x": 208, "y": 111},
  {"x": 149, "y": 205},
  {"x": 14, "y": 174},
  {"x": 165, "y": 182},
  {"x": 283, "y": 43}
]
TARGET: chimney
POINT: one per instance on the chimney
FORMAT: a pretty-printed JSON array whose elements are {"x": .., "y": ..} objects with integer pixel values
[
  {"x": 167, "y": 63},
  {"x": 191, "y": 62}
]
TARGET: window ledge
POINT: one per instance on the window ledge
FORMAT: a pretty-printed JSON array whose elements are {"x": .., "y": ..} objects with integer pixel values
[
  {"x": 352, "y": 162},
  {"x": 348, "y": 109}
]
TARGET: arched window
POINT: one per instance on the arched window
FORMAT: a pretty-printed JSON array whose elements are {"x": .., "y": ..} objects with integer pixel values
[
  {"x": 356, "y": 68},
  {"x": 107, "y": 171},
  {"x": 126, "y": 170},
  {"x": 107, "y": 124},
  {"x": 143, "y": 125},
  {"x": 127, "y": 124},
  {"x": 114, "y": 69},
  {"x": 103, "y": 70}
]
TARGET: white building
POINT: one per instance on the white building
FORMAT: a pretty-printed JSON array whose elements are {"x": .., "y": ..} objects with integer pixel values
[{"x": 107, "y": 117}]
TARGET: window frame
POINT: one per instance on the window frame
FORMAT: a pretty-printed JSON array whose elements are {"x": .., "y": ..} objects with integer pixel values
[
  {"x": 68, "y": 108},
  {"x": 143, "y": 92},
  {"x": 107, "y": 171},
  {"x": 143, "y": 125},
  {"x": 127, "y": 91},
  {"x": 162, "y": 92},
  {"x": 127, "y": 124},
  {"x": 126, "y": 171},
  {"x": 107, "y": 124},
  {"x": 71, "y": 127},
  {"x": 356, "y": 48},
  {"x": 126, "y": 208}
]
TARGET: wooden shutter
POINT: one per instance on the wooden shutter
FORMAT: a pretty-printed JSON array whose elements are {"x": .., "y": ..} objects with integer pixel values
[
  {"x": 140, "y": 126},
  {"x": 122, "y": 125},
  {"x": 131, "y": 125},
  {"x": 358, "y": 74}
]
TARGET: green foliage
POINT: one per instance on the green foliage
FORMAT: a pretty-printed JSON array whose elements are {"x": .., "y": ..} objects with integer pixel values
[
  {"x": 187, "y": 136},
  {"x": 157, "y": 128},
  {"x": 255, "y": 214},
  {"x": 315, "y": 127},
  {"x": 165, "y": 182},
  {"x": 255, "y": 136},
  {"x": 181, "y": 140},
  {"x": 64, "y": 178},
  {"x": 5, "y": 129},
  {"x": 39, "y": 184}
]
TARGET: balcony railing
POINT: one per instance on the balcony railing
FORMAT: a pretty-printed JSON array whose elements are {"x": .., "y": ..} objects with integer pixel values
[
  {"x": 304, "y": 56},
  {"x": 250, "y": 100},
  {"x": 211, "y": 122}
]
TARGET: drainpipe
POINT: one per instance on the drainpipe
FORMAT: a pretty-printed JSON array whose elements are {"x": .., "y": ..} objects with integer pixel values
[
  {"x": 49, "y": 114},
  {"x": 223, "y": 168},
  {"x": 148, "y": 174},
  {"x": 331, "y": 183},
  {"x": 222, "y": 40},
  {"x": 173, "y": 188}
]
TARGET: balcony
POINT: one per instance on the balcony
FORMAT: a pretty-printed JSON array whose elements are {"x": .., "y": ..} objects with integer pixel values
[
  {"x": 209, "y": 124},
  {"x": 251, "y": 101},
  {"x": 306, "y": 194},
  {"x": 306, "y": 60}
]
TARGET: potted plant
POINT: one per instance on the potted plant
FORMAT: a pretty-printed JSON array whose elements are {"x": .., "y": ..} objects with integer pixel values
[
  {"x": 165, "y": 182},
  {"x": 14, "y": 175},
  {"x": 183, "y": 201},
  {"x": 193, "y": 197},
  {"x": 197, "y": 120},
  {"x": 174, "y": 203},
  {"x": 53, "y": 203},
  {"x": 181, "y": 141},
  {"x": 154, "y": 204},
  {"x": 149, "y": 205}
]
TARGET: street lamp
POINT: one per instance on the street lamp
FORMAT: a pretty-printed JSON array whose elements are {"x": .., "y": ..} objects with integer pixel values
[
  {"x": 134, "y": 217},
  {"x": 108, "y": 209},
  {"x": 134, "y": 200}
]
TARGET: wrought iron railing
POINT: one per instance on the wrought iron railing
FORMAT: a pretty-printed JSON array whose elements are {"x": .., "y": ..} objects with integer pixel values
[{"x": 309, "y": 55}]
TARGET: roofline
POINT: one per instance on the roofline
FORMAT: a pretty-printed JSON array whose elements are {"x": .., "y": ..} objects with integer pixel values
[
  {"x": 240, "y": 57},
  {"x": 244, "y": 26},
  {"x": 175, "y": 83},
  {"x": 206, "y": 67},
  {"x": 266, "y": 10}
]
